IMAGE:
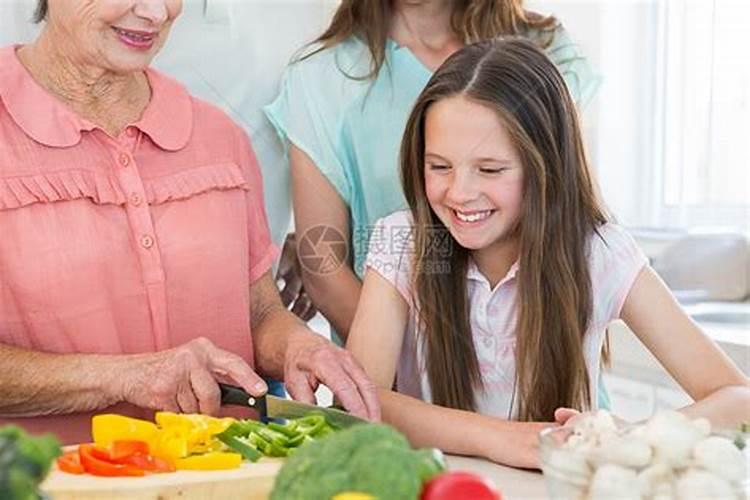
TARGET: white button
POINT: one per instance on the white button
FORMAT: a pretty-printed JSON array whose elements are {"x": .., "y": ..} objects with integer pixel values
[
  {"x": 124, "y": 159},
  {"x": 135, "y": 199},
  {"x": 147, "y": 241}
]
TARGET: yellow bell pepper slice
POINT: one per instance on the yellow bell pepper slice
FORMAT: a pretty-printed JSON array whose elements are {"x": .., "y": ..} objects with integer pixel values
[
  {"x": 199, "y": 429},
  {"x": 353, "y": 495},
  {"x": 171, "y": 443},
  {"x": 107, "y": 428},
  {"x": 216, "y": 460},
  {"x": 168, "y": 419}
]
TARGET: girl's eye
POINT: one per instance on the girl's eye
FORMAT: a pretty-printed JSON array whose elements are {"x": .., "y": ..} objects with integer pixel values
[
  {"x": 495, "y": 170},
  {"x": 434, "y": 166}
]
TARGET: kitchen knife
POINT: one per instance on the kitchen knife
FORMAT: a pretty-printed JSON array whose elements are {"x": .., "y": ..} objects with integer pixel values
[{"x": 269, "y": 406}]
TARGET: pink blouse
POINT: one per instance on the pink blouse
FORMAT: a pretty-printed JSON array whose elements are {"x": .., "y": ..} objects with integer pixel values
[{"x": 131, "y": 244}]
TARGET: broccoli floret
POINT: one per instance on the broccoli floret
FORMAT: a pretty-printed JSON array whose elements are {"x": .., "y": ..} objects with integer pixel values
[
  {"x": 385, "y": 472},
  {"x": 24, "y": 462},
  {"x": 373, "y": 459}
]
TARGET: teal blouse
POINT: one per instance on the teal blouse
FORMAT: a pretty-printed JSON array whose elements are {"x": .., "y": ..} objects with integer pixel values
[{"x": 351, "y": 128}]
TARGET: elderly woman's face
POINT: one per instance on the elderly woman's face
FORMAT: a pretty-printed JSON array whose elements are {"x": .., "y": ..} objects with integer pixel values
[{"x": 117, "y": 35}]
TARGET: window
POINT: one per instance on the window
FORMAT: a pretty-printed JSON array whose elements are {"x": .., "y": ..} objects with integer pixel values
[{"x": 703, "y": 112}]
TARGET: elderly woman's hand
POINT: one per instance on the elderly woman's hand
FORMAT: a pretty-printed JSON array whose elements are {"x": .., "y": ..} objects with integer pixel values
[
  {"x": 184, "y": 379},
  {"x": 312, "y": 360}
]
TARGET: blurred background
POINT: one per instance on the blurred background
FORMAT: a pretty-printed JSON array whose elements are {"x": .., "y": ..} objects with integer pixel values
[{"x": 668, "y": 133}]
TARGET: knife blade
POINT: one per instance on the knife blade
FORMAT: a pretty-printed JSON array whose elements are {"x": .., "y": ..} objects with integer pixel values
[{"x": 269, "y": 406}]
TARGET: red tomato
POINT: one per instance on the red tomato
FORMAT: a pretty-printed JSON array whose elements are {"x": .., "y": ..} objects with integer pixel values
[
  {"x": 71, "y": 463},
  {"x": 459, "y": 486},
  {"x": 100, "y": 467}
]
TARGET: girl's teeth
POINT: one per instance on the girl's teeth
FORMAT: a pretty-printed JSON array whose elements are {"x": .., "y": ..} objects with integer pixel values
[{"x": 473, "y": 217}]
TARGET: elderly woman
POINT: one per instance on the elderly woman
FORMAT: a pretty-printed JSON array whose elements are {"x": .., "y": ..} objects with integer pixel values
[{"x": 135, "y": 256}]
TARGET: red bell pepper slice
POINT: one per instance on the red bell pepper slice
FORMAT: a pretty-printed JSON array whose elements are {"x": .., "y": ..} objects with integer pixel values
[
  {"x": 120, "y": 450},
  {"x": 100, "y": 467},
  {"x": 101, "y": 453},
  {"x": 70, "y": 463},
  {"x": 149, "y": 463}
]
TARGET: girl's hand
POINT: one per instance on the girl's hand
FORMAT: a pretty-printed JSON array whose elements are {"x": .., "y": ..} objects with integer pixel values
[
  {"x": 517, "y": 445},
  {"x": 566, "y": 416},
  {"x": 570, "y": 417}
]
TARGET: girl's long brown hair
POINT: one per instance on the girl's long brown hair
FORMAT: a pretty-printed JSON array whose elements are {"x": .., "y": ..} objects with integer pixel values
[
  {"x": 473, "y": 21},
  {"x": 560, "y": 214}
]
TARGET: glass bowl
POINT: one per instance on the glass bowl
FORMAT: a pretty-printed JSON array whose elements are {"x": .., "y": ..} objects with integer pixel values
[{"x": 568, "y": 471}]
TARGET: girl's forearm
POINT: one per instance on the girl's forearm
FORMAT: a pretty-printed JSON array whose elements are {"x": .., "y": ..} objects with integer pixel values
[
  {"x": 726, "y": 408},
  {"x": 426, "y": 425},
  {"x": 461, "y": 432}
]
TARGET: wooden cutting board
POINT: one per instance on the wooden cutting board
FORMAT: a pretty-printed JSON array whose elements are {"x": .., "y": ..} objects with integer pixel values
[{"x": 248, "y": 482}]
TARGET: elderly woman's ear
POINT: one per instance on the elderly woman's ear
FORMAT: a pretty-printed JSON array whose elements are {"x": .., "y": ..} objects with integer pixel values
[{"x": 40, "y": 14}]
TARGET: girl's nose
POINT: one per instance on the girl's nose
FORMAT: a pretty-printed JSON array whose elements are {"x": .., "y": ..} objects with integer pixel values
[{"x": 463, "y": 188}]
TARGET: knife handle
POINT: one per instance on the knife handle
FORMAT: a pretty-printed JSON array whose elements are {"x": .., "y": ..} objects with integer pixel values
[{"x": 233, "y": 395}]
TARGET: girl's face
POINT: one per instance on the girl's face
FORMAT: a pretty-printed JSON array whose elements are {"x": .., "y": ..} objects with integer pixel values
[
  {"x": 473, "y": 173},
  {"x": 116, "y": 35}
]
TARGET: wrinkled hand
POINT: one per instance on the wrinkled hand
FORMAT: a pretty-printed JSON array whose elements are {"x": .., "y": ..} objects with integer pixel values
[
  {"x": 312, "y": 360},
  {"x": 185, "y": 379},
  {"x": 290, "y": 273}
]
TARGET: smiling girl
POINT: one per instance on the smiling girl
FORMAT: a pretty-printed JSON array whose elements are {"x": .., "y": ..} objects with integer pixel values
[{"x": 491, "y": 295}]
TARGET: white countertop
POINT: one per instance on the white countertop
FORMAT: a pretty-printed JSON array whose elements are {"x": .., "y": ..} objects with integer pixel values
[{"x": 513, "y": 484}]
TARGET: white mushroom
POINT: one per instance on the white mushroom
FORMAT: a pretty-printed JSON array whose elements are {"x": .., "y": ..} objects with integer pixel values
[
  {"x": 673, "y": 436},
  {"x": 567, "y": 473},
  {"x": 567, "y": 464},
  {"x": 628, "y": 452},
  {"x": 656, "y": 481},
  {"x": 720, "y": 456},
  {"x": 697, "y": 484},
  {"x": 703, "y": 425},
  {"x": 596, "y": 424},
  {"x": 663, "y": 491},
  {"x": 613, "y": 481}
]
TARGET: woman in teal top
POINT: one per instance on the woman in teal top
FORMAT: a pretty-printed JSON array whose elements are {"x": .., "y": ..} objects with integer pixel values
[{"x": 342, "y": 111}]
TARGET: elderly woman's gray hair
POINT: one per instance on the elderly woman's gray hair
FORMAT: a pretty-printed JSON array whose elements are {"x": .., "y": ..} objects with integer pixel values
[{"x": 40, "y": 14}]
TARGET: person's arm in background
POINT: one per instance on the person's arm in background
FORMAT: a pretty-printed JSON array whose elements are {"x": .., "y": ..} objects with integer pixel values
[
  {"x": 317, "y": 204},
  {"x": 293, "y": 293},
  {"x": 720, "y": 390},
  {"x": 582, "y": 79}
]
